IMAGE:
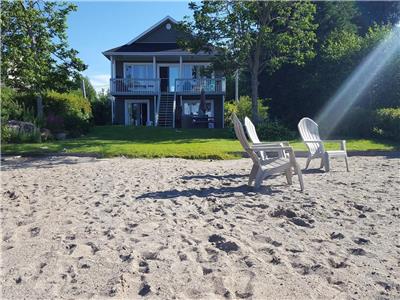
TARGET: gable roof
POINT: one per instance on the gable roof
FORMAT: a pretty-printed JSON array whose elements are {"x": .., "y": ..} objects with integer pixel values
[
  {"x": 146, "y": 43},
  {"x": 167, "y": 18}
]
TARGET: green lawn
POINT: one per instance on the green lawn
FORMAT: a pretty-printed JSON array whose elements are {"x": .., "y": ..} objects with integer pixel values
[{"x": 108, "y": 141}]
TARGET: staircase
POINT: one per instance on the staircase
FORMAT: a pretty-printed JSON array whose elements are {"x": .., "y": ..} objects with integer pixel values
[{"x": 166, "y": 112}]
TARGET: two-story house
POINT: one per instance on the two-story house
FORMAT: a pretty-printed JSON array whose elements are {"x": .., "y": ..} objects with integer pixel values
[{"x": 155, "y": 83}]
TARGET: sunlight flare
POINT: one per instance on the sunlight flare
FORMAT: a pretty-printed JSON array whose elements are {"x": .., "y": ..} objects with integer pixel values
[{"x": 351, "y": 90}]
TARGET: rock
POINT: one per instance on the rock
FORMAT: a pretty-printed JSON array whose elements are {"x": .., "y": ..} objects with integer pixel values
[{"x": 21, "y": 127}]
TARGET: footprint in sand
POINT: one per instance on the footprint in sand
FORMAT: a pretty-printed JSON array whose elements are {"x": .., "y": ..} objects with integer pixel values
[
  {"x": 144, "y": 289},
  {"x": 70, "y": 248},
  {"x": 361, "y": 241},
  {"x": 357, "y": 251},
  {"x": 35, "y": 231},
  {"x": 144, "y": 267},
  {"x": 220, "y": 243},
  {"x": 337, "y": 265},
  {"x": 302, "y": 221}
]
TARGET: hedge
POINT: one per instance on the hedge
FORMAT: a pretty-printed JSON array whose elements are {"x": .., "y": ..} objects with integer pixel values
[
  {"x": 387, "y": 123},
  {"x": 72, "y": 112}
]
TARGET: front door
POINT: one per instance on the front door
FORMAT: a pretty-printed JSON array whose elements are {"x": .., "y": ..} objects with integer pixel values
[
  {"x": 164, "y": 79},
  {"x": 168, "y": 74},
  {"x": 137, "y": 113}
]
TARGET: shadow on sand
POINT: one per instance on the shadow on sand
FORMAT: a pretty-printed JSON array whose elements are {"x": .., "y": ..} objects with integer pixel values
[
  {"x": 223, "y": 192},
  {"x": 219, "y": 177},
  {"x": 39, "y": 162}
]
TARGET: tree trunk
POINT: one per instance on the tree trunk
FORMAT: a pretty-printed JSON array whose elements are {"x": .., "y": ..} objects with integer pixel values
[
  {"x": 39, "y": 106},
  {"x": 254, "y": 96}
]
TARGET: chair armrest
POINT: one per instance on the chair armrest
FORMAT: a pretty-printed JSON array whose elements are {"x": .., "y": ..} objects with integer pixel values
[
  {"x": 269, "y": 147},
  {"x": 334, "y": 141},
  {"x": 306, "y": 141},
  {"x": 275, "y": 142}
]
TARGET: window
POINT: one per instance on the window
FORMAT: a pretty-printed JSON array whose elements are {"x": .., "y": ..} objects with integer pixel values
[
  {"x": 139, "y": 71},
  {"x": 195, "y": 71},
  {"x": 191, "y": 108}
]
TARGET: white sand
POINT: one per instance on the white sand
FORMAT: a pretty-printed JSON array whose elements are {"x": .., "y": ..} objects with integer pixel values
[{"x": 88, "y": 228}]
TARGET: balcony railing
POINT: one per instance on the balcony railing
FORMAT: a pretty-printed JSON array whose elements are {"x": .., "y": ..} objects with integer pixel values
[
  {"x": 134, "y": 86},
  {"x": 194, "y": 86},
  {"x": 152, "y": 86}
]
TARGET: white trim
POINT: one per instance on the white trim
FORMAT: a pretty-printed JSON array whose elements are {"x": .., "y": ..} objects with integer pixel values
[
  {"x": 128, "y": 101},
  {"x": 153, "y": 27},
  {"x": 158, "y": 53},
  {"x": 134, "y": 63}
]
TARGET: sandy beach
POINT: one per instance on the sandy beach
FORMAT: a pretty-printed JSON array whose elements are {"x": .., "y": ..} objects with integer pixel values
[{"x": 75, "y": 227}]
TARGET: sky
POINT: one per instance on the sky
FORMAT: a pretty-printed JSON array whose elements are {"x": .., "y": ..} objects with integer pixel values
[{"x": 102, "y": 25}]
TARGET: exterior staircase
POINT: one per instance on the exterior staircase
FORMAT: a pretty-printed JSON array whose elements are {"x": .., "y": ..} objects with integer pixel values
[{"x": 166, "y": 112}]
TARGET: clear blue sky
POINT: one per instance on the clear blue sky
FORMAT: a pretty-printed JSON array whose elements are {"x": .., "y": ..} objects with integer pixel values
[{"x": 98, "y": 26}]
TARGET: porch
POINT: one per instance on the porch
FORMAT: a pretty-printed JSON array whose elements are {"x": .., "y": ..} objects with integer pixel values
[{"x": 156, "y": 86}]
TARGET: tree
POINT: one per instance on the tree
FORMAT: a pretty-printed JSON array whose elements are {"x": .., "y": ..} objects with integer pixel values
[
  {"x": 91, "y": 93},
  {"x": 252, "y": 35},
  {"x": 35, "y": 52}
]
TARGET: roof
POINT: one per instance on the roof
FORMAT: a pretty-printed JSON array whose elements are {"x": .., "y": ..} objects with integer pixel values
[
  {"x": 139, "y": 46},
  {"x": 167, "y": 18},
  {"x": 146, "y": 47}
]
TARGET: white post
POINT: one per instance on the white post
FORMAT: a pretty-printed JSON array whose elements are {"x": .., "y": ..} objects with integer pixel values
[
  {"x": 237, "y": 85},
  {"x": 223, "y": 110},
  {"x": 154, "y": 67},
  {"x": 112, "y": 83},
  {"x": 112, "y": 101},
  {"x": 83, "y": 88},
  {"x": 180, "y": 66}
]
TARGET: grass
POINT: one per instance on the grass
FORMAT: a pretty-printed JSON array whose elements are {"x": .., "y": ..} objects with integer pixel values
[{"x": 109, "y": 141}]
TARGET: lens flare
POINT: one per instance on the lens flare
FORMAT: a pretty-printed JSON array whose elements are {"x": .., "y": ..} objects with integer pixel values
[{"x": 360, "y": 79}]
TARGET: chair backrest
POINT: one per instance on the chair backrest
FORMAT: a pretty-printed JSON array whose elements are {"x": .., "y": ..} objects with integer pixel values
[
  {"x": 239, "y": 131},
  {"x": 309, "y": 132},
  {"x": 251, "y": 130}
]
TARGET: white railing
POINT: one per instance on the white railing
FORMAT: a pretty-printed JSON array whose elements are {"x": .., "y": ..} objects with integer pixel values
[
  {"x": 135, "y": 86},
  {"x": 151, "y": 86},
  {"x": 194, "y": 86}
]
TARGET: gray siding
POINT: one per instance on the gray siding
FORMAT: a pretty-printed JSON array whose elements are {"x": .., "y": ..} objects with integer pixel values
[{"x": 160, "y": 35}]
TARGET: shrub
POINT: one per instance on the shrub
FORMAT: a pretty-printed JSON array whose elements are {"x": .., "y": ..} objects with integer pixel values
[
  {"x": 74, "y": 109},
  {"x": 357, "y": 123},
  {"x": 55, "y": 123},
  {"x": 387, "y": 123},
  {"x": 242, "y": 108},
  {"x": 101, "y": 112},
  {"x": 274, "y": 131},
  {"x": 10, "y": 108},
  {"x": 15, "y": 136}
]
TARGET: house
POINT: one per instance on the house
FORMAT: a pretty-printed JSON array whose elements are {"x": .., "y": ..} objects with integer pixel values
[{"x": 155, "y": 83}]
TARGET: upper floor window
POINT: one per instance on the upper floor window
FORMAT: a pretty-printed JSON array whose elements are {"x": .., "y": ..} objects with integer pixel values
[
  {"x": 139, "y": 71},
  {"x": 196, "y": 71}
]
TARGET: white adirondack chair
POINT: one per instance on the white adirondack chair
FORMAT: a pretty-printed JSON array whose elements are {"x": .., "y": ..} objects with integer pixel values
[
  {"x": 310, "y": 134},
  {"x": 252, "y": 134},
  {"x": 265, "y": 167}
]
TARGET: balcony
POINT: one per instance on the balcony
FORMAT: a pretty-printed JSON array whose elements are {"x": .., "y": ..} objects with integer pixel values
[
  {"x": 194, "y": 86},
  {"x": 128, "y": 86},
  {"x": 185, "y": 86}
]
